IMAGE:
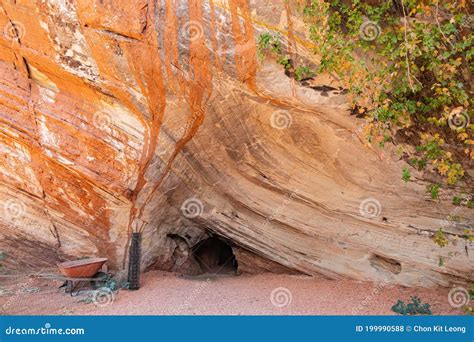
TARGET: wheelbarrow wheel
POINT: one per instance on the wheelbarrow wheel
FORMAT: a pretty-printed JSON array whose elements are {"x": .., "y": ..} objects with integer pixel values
[{"x": 100, "y": 280}]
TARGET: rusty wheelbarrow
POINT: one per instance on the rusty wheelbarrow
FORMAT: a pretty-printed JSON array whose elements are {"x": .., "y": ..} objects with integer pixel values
[
  {"x": 82, "y": 268},
  {"x": 78, "y": 271}
]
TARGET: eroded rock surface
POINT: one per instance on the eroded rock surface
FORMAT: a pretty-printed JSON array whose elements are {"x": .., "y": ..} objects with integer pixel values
[{"x": 157, "y": 115}]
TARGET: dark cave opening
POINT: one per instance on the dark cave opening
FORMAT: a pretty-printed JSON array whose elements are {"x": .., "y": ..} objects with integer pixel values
[{"x": 215, "y": 256}]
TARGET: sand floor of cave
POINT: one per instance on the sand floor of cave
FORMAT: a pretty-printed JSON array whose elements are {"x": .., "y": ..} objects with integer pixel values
[{"x": 164, "y": 293}]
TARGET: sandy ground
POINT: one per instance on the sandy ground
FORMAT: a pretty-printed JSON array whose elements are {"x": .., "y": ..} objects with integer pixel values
[{"x": 165, "y": 293}]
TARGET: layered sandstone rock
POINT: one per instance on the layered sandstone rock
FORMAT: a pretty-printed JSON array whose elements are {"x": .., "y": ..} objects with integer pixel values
[{"x": 157, "y": 115}]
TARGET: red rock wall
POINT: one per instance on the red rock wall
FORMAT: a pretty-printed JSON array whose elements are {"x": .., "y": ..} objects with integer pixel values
[{"x": 117, "y": 115}]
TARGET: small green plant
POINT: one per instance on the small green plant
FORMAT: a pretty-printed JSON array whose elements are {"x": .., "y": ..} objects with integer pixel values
[
  {"x": 469, "y": 310},
  {"x": 413, "y": 308},
  {"x": 111, "y": 284},
  {"x": 463, "y": 199},
  {"x": 441, "y": 261},
  {"x": 433, "y": 189},
  {"x": 263, "y": 43},
  {"x": 419, "y": 164},
  {"x": 468, "y": 235},
  {"x": 2, "y": 257},
  {"x": 285, "y": 61},
  {"x": 268, "y": 41},
  {"x": 303, "y": 72},
  {"x": 457, "y": 200},
  {"x": 406, "y": 176},
  {"x": 440, "y": 239}
]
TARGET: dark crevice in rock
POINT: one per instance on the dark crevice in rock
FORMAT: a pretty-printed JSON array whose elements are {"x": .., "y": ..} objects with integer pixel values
[
  {"x": 385, "y": 264},
  {"x": 144, "y": 18},
  {"x": 119, "y": 35},
  {"x": 323, "y": 89}
]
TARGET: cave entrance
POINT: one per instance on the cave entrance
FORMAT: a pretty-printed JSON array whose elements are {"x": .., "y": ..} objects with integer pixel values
[{"x": 215, "y": 256}]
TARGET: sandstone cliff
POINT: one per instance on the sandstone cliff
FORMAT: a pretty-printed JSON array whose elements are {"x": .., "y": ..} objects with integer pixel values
[{"x": 120, "y": 115}]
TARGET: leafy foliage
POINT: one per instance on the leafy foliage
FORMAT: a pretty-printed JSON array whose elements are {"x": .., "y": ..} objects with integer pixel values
[
  {"x": 440, "y": 261},
  {"x": 407, "y": 65},
  {"x": 268, "y": 41},
  {"x": 2, "y": 257},
  {"x": 440, "y": 239},
  {"x": 406, "y": 175},
  {"x": 413, "y": 308},
  {"x": 302, "y": 72},
  {"x": 111, "y": 283},
  {"x": 433, "y": 190},
  {"x": 468, "y": 235},
  {"x": 469, "y": 309}
]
